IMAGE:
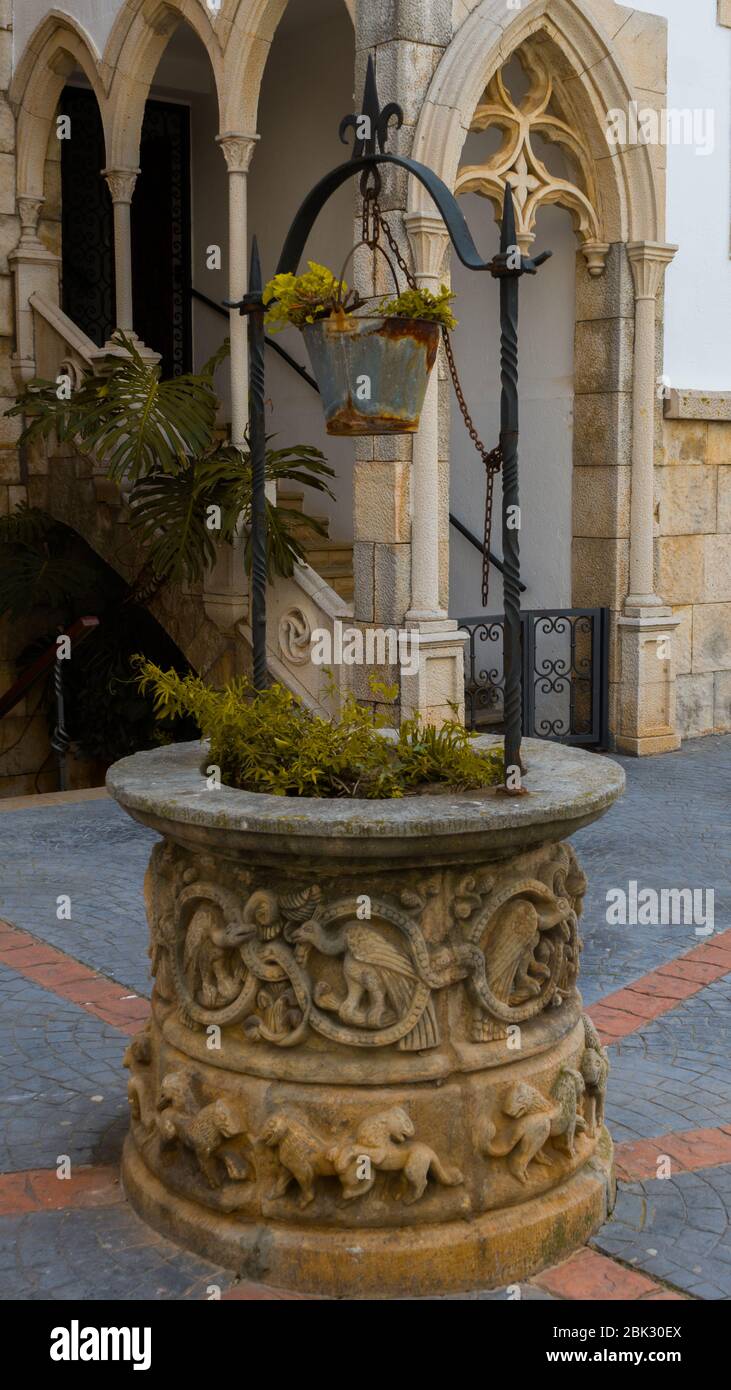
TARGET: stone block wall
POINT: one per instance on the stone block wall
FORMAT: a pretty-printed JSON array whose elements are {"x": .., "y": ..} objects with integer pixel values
[{"x": 693, "y": 555}]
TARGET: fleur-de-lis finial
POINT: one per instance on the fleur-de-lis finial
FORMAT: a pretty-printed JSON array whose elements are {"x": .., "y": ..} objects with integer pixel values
[{"x": 370, "y": 124}]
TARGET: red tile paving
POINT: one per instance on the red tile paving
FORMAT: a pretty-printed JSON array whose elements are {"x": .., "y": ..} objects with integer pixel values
[
  {"x": 587, "y": 1275},
  {"x": 54, "y": 970},
  {"x": 41, "y": 1189},
  {"x": 656, "y": 993},
  {"x": 687, "y": 1149}
]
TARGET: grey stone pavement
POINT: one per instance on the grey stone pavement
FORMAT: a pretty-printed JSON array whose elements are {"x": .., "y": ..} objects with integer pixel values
[{"x": 63, "y": 1089}]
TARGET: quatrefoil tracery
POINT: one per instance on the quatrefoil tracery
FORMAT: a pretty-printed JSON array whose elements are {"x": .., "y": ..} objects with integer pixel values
[{"x": 517, "y": 164}]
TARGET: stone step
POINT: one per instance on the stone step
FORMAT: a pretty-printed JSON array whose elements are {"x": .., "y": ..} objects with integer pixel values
[{"x": 322, "y": 554}]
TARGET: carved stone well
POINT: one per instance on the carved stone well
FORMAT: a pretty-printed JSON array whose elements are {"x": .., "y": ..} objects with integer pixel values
[{"x": 367, "y": 1070}]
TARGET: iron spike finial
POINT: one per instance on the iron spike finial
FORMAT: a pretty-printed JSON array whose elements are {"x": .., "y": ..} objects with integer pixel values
[
  {"x": 255, "y": 280},
  {"x": 507, "y": 228},
  {"x": 370, "y": 125},
  {"x": 527, "y": 265}
]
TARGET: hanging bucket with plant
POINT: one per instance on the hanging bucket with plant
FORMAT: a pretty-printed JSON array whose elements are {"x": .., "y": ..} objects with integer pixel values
[{"x": 372, "y": 367}]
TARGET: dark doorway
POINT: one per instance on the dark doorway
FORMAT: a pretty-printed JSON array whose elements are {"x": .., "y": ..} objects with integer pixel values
[
  {"x": 160, "y": 229},
  {"x": 161, "y": 236},
  {"x": 87, "y": 227}
]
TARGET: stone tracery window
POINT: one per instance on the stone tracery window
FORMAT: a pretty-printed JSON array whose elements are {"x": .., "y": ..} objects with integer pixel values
[{"x": 524, "y": 123}]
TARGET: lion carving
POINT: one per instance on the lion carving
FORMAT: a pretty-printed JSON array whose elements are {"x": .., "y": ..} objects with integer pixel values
[
  {"x": 381, "y": 1141},
  {"x": 533, "y": 1120},
  {"x": 303, "y": 1156}
]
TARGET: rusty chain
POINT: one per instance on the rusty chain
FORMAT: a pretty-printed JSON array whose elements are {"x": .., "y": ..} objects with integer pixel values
[{"x": 492, "y": 458}]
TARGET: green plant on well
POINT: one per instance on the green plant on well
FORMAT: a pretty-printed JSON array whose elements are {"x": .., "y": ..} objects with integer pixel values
[
  {"x": 302, "y": 299},
  {"x": 270, "y": 742},
  {"x": 186, "y": 489},
  {"x": 422, "y": 304}
]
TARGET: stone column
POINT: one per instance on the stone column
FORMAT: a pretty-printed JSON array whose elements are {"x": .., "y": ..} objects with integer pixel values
[
  {"x": 439, "y": 681},
  {"x": 647, "y": 693},
  {"x": 237, "y": 151},
  {"x": 226, "y": 597},
  {"x": 121, "y": 184}
]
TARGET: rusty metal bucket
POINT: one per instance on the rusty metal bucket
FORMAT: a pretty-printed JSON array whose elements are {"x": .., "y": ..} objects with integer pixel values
[{"x": 372, "y": 372}]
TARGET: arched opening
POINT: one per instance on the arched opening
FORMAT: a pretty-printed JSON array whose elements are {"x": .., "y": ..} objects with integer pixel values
[
  {"x": 307, "y": 88},
  {"x": 170, "y": 227},
  {"x": 179, "y": 208}
]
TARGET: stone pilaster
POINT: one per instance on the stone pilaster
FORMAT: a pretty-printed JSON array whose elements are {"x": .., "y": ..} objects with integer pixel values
[
  {"x": 36, "y": 271},
  {"x": 646, "y": 722}
]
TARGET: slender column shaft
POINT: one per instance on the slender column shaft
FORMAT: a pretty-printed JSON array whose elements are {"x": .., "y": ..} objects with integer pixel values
[
  {"x": 428, "y": 237},
  {"x": 121, "y": 186},
  {"x": 648, "y": 261},
  {"x": 237, "y": 151}
]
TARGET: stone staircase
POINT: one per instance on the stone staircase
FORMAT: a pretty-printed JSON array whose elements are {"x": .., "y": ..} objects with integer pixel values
[{"x": 332, "y": 560}]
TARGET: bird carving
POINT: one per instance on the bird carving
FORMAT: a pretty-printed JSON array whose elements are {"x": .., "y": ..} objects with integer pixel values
[
  {"x": 212, "y": 970},
  {"x": 512, "y": 958},
  {"x": 380, "y": 979}
]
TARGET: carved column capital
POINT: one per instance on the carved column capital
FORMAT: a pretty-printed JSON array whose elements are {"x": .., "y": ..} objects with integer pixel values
[
  {"x": 428, "y": 238},
  {"x": 649, "y": 260},
  {"x": 29, "y": 211},
  {"x": 121, "y": 183},
  {"x": 237, "y": 150}
]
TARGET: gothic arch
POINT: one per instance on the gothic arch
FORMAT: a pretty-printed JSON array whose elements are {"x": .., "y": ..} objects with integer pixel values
[
  {"x": 592, "y": 80},
  {"x": 136, "y": 44},
  {"x": 57, "y": 47}
]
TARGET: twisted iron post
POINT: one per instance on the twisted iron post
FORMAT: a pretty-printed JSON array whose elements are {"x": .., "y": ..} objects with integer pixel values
[
  {"x": 59, "y": 739},
  {"x": 508, "y": 267},
  {"x": 257, "y": 448},
  {"x": 511, "y": 499}
]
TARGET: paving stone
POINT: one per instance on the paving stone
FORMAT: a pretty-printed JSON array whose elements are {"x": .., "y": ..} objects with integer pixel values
[
  {"x": 65, "y": 1255},
  {"x": 691, "y": 1257},
  {"x": 47, "y": 1079}
]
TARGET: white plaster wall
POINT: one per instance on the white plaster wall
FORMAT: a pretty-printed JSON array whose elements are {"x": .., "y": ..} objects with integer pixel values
[
  {"x": 698, "y": 283},
  {"x": 546, "y": 332}
]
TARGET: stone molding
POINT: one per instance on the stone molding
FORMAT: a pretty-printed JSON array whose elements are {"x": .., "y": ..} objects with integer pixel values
[
  {"x": 724, "y": 13},
  {"x": 698, "y": 405}
]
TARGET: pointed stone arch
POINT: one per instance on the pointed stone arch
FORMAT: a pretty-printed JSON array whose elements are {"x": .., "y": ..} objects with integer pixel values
[
  {"x": 58, "y": 47},
  {"x": 139, "y": 37},
  {"x": 592, "y": 80}
]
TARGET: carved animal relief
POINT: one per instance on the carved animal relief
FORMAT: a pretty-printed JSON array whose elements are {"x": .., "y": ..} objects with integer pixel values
[{"x": 529, "y": 1121}]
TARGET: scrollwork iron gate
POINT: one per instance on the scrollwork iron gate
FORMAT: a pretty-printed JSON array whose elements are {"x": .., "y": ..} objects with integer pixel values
[{"x": 565, "y": 674}]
